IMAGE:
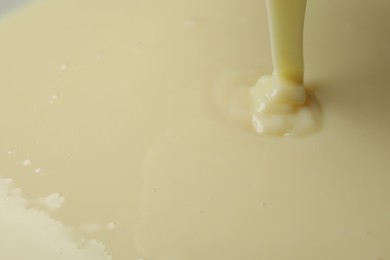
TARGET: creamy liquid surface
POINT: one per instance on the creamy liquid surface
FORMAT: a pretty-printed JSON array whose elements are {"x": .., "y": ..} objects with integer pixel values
[{"x": 125, "y": 128}]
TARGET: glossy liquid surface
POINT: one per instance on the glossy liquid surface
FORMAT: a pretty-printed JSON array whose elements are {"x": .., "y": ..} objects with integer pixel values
[{"x": 125, "y": 123}]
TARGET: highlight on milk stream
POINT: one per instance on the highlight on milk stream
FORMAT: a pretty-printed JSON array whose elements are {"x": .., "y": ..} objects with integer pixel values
[
  {"x": 30, "y": 233},
  {"x": 282, "y": 105}
]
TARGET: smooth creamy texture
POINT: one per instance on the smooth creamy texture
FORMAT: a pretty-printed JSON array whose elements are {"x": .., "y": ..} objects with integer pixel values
[
  {"x": 129, "y": 118},
  {"x": 286, "y": 29}
]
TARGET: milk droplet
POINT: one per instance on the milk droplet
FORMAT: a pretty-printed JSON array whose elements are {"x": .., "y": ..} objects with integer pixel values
[
  {"x": 111, "y": 225},
  {"x": 38, "y": 171},
  {"x": 10, "y": 152},
  {"x": 54, "y": 98},
  {"x": 64, "y": 66},
  {"x": 26, "y": 162}
]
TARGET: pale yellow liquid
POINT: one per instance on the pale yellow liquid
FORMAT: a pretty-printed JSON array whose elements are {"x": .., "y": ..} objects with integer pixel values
[
  {"x": 281, "y": 104},
  {"x": 286, "y": 19},
  {"x": 126, "y": 123}
]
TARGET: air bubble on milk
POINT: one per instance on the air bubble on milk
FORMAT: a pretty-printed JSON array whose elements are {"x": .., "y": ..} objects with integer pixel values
[
  {"x": 38, "y": 171},
  {"x": 111, "y": 225},
  {"x": 12, "y": 151},
  {"x": 64, "y": 66},
  {"x": 54, "y": 98},
  {"x": 53, "y": 201},
  {"x": 27, "y": 162}
]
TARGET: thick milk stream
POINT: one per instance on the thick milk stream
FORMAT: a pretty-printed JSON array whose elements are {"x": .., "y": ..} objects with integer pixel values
[
  {"x": 282, "y": 105},
  {"x": 125, "y": 134},
  {"x": 286, "y": 30}
]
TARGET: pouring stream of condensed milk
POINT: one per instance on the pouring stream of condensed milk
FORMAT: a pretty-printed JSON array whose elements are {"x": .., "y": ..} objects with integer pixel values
[{"x": 282, "y": 105}]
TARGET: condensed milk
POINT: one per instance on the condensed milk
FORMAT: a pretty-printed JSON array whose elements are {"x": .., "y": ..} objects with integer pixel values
[{"x": 127, "y": 133}]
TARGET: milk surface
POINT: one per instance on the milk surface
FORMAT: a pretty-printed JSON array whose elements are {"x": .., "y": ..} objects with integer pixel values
[{"x": 125, "y": 134}]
